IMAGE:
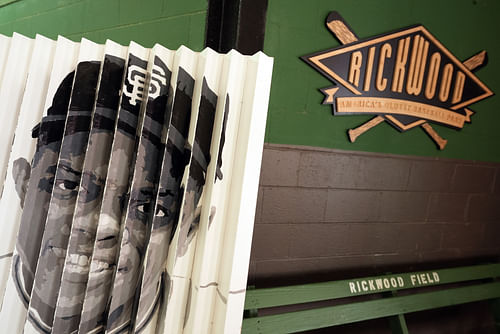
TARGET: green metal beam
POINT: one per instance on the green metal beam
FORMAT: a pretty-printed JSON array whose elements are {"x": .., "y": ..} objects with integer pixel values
[
  {"x": 360, "y": 311},
  {"x": 398, "y": 324},
  {"x": 495, "y": 308},
  {"x": 270, "y": 297}
]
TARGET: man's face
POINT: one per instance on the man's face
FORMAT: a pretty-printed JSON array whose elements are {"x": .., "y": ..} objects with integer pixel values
[
  {"x": 133, "y": 243},
  {"x": 58, "y": 227},
  {"x": 106, "y": 242},
  {"x": 46, "y": 164},
  {"x": 82, "y": 236}
]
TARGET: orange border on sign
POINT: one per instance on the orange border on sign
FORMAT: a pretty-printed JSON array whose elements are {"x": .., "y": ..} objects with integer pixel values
[
  {"x": 316, "y": 60},
  {"x": 404, "y": 126}
]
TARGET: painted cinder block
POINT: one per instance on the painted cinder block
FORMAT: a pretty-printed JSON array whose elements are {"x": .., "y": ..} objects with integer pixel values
[
  {"x": 260, "y": 203},
  {"x": 403, "y": 206},
  {"x": 484, "y": 208},
  {"x": 316, "y": 168},
  {"x": 387, "y": 227},
  {"x": 464, "y": 237},
  {"x": 347, "y": 205},
  {"x": 341, "y": 239},
  {"x": 496, "y": 187},
  {"x": 473, "y": 178},
  {"x": 168, "y": 22},
  {"x": 447, "y": 207},
  {"x": 346, "y": 170},
  {"x": 279, "y": 167},
  {"x": 430, "y": 175},
  {"x": 441, "y": 255},
  {"x": 491, "y": 238},
  {"x": 271, "y": 241},
  {"x": 419, "y": 237},
  {"x": 382, "y": 173},
  {"x": 285, "y": 205},
  {"x": 304, "y": 269}
]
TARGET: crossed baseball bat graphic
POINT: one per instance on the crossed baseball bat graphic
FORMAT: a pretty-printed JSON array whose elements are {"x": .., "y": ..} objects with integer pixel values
[{"x": 345, "y": 35}]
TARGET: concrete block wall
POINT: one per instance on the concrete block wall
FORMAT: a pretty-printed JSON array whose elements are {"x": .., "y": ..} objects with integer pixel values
[
  {"x": 330, "y": 214},
  {"x": 168, "y": 22}
]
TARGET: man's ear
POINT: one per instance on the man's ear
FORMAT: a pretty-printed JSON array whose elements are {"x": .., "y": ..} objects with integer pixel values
[{"x": 21, "y": 171}]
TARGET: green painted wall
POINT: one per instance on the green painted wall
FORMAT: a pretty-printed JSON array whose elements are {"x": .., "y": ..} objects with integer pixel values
[
  {"x": 168, "y": 22},
  {"x": 296, "y": 116},
  {"x": 295, "y": 28}
]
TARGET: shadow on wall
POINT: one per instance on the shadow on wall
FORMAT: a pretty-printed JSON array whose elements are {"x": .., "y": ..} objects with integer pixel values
[{"x": 328, "y": 214}]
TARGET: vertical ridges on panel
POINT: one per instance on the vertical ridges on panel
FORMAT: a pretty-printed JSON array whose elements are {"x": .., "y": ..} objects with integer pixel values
[{"x": 133, "y": 199}]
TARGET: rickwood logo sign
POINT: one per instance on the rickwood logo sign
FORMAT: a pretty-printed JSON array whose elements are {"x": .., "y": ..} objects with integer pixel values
[{"x": 406, "y": 77}]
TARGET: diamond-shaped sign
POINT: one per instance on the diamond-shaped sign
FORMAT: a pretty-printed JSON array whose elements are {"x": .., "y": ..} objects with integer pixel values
[{"x": 407, "y": 77}]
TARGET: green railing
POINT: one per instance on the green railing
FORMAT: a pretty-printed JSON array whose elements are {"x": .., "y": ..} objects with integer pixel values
[{"x": 480, "y": 282}]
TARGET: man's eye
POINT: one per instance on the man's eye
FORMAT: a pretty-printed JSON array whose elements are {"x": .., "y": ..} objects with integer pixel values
[
  {"x": 68, "y": 185},
  {"x": 144, "y": 208},
  {"x": 161, "y": 212},
  {"x": 107, "y": 242}
]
